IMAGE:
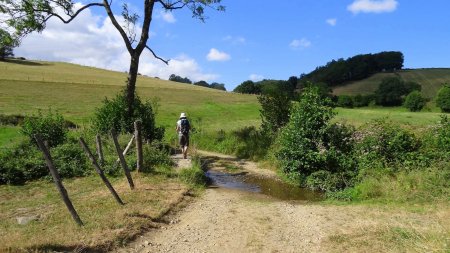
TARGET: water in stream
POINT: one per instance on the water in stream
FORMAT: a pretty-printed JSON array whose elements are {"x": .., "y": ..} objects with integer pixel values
[{"x": 268, "y": 186}]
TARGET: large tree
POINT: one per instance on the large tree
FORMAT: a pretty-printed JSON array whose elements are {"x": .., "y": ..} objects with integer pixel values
[{"x": 21, "y": 17}]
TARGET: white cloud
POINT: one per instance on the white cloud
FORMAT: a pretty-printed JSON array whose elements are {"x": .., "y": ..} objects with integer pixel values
[
  {"x": 93, "y": 41},
  {"x": 331, "y": 21},
  {"x": 239, "y": 40},
  {"x": 216, "y": 55},
  {"x": 302, "y": 43},
  {"x": 256, "y": 77},
  {"x": 167, "y": 16},
  {"x": 374, "y": 6}
]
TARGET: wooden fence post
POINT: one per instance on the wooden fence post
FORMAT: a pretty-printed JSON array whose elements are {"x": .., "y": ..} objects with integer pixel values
[
  {"x": 99, "y": 170},
  {"x": 122, "y": 159},
  {"x": 137, "y": 134},
  {"x": 98, "y": 142},
  {"x": 57, "y": 180}
]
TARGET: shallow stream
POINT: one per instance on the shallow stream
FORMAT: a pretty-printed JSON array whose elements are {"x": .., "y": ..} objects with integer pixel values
[{"x": 259, "y": 184}]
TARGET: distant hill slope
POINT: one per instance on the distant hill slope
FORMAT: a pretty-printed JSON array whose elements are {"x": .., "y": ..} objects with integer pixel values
[
  {"x": 75, "y": 91},
  {"x": 431, "y": 80}
]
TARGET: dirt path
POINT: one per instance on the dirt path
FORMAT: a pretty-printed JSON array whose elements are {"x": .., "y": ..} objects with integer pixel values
[{"x": 224, "y": 220}]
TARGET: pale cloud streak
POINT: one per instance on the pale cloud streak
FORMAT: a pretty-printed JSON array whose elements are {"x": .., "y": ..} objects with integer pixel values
[
  {"x": 256, "y": 77},
  {"x": 331, "y": 21},
  {"x": 168, "y": 17},
  {"x": 302, "y": 43},
  {"x": 372, "y": 6},
  {"x": 216, "y": 55}
]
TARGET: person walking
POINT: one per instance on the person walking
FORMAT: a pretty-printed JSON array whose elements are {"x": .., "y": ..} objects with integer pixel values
[{"x": 183, "y": 128}]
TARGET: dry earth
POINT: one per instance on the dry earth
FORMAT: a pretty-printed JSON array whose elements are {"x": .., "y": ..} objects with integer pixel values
[{"x": 224, "y": 220}]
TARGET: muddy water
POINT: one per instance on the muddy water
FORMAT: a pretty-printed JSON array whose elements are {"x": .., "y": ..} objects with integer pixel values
[{"x": 265, "y": 185}]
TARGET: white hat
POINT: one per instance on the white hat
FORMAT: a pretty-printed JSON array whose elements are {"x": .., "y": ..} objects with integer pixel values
[{"x": 182, "y": 115}]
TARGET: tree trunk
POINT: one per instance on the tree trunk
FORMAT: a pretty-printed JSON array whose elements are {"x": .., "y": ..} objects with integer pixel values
[{"x": 131, "y": 83}]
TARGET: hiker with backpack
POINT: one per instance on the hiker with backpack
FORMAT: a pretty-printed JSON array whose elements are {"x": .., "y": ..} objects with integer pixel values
[{"x": 183, "y": 128}]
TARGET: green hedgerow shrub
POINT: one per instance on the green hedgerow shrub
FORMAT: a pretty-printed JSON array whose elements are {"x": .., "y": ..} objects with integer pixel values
[
  {"x": 156, "y": 154},
  {"x": 443, "y": 98},
  {"x": 363, "y": 100},
  {"x": 414, "y": 101},
  {"x": 113, "y": 115},
  {"x": 22, "y": 163},
  {"x": 51, "y": 127},
  {"x": 252, "y": 144},
  {"x": 70, "y": 160},
  {"x": 386, "y": 144},
  {"x": 312, "y": 150},
  {"x": 345, "y": 101}
]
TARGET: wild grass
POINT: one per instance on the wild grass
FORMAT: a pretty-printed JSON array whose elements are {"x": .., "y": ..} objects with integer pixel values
[{"x": 107, "y": 223}]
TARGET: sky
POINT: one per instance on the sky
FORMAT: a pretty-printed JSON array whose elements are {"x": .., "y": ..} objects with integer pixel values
[{"x": 254, "y": 39}]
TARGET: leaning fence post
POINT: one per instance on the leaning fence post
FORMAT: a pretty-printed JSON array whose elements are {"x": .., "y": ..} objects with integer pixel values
[
  {"x": 99, "y": 170},
  {"x": 98, "y": 142},
  {"x": 122, "y": 159},
  {"x": 57, "y": 180},
  {"x": 137, "y": 134}
]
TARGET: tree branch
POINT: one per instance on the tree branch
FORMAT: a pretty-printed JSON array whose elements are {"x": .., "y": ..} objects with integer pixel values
[
  {"x": 118, "y": 27},
  {"x": 72, "y": 16},
  {"x": 157, "y": 57}
]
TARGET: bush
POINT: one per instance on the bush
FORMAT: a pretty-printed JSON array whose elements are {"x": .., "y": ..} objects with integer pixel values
[
  {"x": 414, "y": 101},
  {"x": 345, "y": 101},
  {"x": 113, "y": 115},
  {"x": 51, "y": 127},
  {"x": 70, "y": 160},
  {"x": 443, "y": 98},
  {"x": 252, "y": 144},
  {"x": 156, "y": 154}
]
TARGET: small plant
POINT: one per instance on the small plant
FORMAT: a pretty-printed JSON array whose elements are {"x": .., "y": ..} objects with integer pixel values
[
  {"x": 194, "y": 175},
  {"x": 50, "y": 126},
  {"x": 414, "y": 101},
  {"x": 156, "y": 155}
]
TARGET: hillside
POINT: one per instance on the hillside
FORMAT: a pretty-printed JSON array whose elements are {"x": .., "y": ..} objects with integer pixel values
[
  {"x": 430, "y": 79},
  {"x": 75, "y": 91}
]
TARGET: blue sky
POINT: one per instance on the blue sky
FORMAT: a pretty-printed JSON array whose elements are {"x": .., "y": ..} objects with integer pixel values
[{"x": 253, "y": 40}]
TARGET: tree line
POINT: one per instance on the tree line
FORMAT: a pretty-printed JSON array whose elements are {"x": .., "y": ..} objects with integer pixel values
[{"x": 214, "y": 85}]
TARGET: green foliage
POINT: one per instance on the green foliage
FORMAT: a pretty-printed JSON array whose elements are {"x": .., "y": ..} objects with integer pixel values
[
  {"x": 337, "y": 72},
  {"x": 443, "y": 98},
  {"x": 113, "y": 115},
  {"x": 345, "y": 101},
  {"x": 194, "y": 175},
  {"x": 25, "y": 162},
  {"x": 50, "y": 126},
  {"x": 360, "y": 100},
  {"x": 248, "y": 87},
  {"x": 387, "y": 143},
  {"x": 179, "y": 79},
  {"x": 156, "y": 154},
  {"x": 251, "y": 143},
  {"x": 275, "y": 109},
  {"x": 299, "y": 151},
  {"x": 414, "y": 101},
  {"x": 392, "y": 89}
]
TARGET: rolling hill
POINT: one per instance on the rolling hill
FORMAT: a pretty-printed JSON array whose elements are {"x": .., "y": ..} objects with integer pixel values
[
  {"x": 431, "y": 80},
  {"x": 75, "y": 91}
]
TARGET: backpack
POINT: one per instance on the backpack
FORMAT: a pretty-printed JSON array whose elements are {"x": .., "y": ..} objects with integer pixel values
[{"x": 185, "y": 127}]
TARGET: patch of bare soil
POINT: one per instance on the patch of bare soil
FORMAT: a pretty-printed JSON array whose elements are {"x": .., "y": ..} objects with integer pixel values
[{"x": 224, "y": 220}]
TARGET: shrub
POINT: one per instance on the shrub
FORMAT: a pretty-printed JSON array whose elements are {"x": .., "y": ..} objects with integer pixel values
[
  {"x": 252, "y": 144},
  {"x": 443, "y": 98},
  {"x": 113, "y": 115},
  {"x": 51, "y": 127},
  {"x": 414, "y": 101},
  {"x": 70, "y": 160},
  {"x": 156, "y": 154},
  {"x": 345, "y": 101},
  {"x": 363, "y": 100}
]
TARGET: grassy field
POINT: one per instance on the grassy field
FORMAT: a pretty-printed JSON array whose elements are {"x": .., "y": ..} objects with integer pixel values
[
  {"x": 75, "y": 91},
  {"x": 430, "y": 79}
]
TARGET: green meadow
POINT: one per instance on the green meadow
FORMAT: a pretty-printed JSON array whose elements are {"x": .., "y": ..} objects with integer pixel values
[{"x": 75, "y": 91}]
